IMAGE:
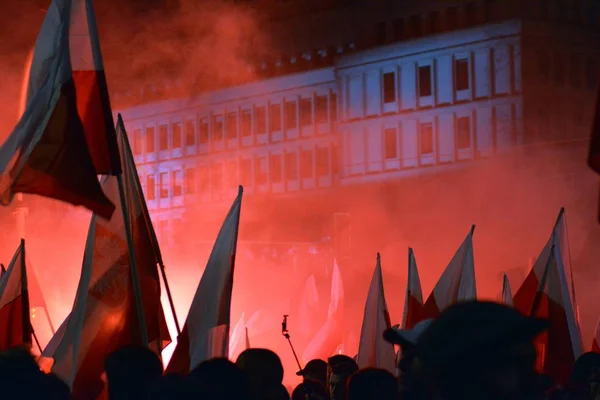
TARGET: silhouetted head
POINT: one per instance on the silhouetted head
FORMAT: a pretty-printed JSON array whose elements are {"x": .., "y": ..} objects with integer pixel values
[
  {"x": 372, "y": 383},
  {"x": 263, "y": 369},
  {"x": 310, "y": 390},
  {"x": 339, "y": 369},
  {"x": 220, "y": 378},
  {"x": 480, "y": 349},
  {"x": 315, "y": 370},
  {"x": 131, "y": 371},
  {"x": 173, "y": 386}
]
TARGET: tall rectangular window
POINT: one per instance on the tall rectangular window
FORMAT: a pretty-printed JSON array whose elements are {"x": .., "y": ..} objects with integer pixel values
[
  {"x": 416, "y": 29},
  {"x": 275, "y": 117},
  {"x": 246, "y": 123},
  {"x": 150, "y": 139},
  {"x": 164, "y": 185},
  {"x": 559, "y": 70},
  {"x": 425, "y": 88},
  {"x": 150, "y": 187},
  {"x": 389, "y": 87},
  {"x": 321, "y": 109},
  {"x": 137, "y": 142},
  {"x": 291, "y": 166},
  {"x": 163, "y": 137},
  {"x": 203, "y": 131},
  {"x": 290, "y": 115},
  {"x": 471, "y": 14},
  {"x": 276, "y": 168},
  {"x": 217, "y": 128},
  {"x": 435, "y": 25},
  {"x": 306, "y": 164},
  {"x": 190, "y": 133},
  {"x": 381, "y": 33},
  {"x": 452, "y": 22},
  {"x": 217, "y": 177},
  {"x": 426, "y": 139},
  {"x": 390, "y": 137},
  {"x": 177, "y": 135},
  {"x": 177, "y": 183},
  {"x": 306, "y": 117},
  {"x": 190, "y": 181},
  {"x": 463, "y": 133},
  {"x": 333, "y": 106},
  {"x": 261, "y": 171},
  {"x": 398, "y": 28},
  {"x": 322, "y": 161},
  {"x": 461, "y": 68},
  {"x": 231, "y": 126},
  {"x": 260, "y": 120}
]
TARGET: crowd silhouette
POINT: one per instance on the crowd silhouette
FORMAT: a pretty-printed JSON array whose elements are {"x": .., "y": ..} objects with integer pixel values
[{"x": 473, "y": 350}]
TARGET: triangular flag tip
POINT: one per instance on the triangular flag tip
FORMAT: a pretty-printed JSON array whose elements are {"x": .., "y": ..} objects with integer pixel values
[{"x": 472, "y": 229}]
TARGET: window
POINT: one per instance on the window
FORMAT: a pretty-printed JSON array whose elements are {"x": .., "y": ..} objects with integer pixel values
[
  {"x": 177, "y": 135},
  {"x": 276, "y": 168},
  {"x": 575, "y": 71},
  {"x": 203, "y": 130},
  {"x": 246, "y": 123},
  {"x": 426, "y": 139},
  {"x": 398, "y": 27},
  {"x": 260, "y": 120},
  {"x": 150, "y": 187},
  {"x": 164, "y": 185},
  {"x": 306, "y": 117},
  {"x": 390, "y": 137},
  {"x": 471, "y": 14},
  {"x": 415, "y": 26},
  {"x": 291, "y": 166},
  {"x": 246, "y": 171},
  {"x": 137, "y": 142},
  {"x": 203, "y": 179},
  {"x": 389, "y": 87},
  {"x": 425, "y": 81},
  {"x": 290, "y": 115},
  {"x": 217, "y": 128},
  {"x": 463, "y": 133},
  {"x": 559, "y": 70},
  {"x": 261, "y": 171},
  {"x": 335, "y": 161},
  {"x": 321, "y": 109},
  {"x": 150, "y": 139},
  {"x": 322, "y": 161},
  {"x": 461, "y": 68},
  {"x": 163, "y": 137},
  {"x": 543, "y": 69},
  {"x": 217, "y": 177},
  {"x": 590, "y": 74},
  {"x": 190, "y": 181},
  {"x": 190, "y": 133},
  {"x": 381, "y": 33},
  {"x": 177, "y": 177},
  {"x": 231, "y": 126},
  {"x": 333, "y": 106},
  {"x": 306, "y": 164},
  {"x": 434, "y": 22},
  {"x": 275, "y": 117},
  {"x": 232, "y": 174},
  {"x": 452, "y": 18}
]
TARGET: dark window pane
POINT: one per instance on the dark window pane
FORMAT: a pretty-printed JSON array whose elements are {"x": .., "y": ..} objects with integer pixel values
[
  {"x": 150, "y": 140},
  {"x": 290, "y": 115},
  {"x": 471, "y": 14},
  {"x": 381, "y": 33},
  {"x": 425, "y": 81},
  {"x": 275, "y": 117},
  {"x": 391, "y": 143},
  {"x": 190, "y": 133},
  {"x": 231, "y": 126},
  {"x": 321, "y": 109},
  {"x": 333, "y": 106},
  {"x": 150, "y": 187},
  {"x": 246, "y": 123},
  {"x": 426, "y": 142},
  {"x": 177, "y": 135},
  {"x": 389, "y": 87},
  {"x": 398, "y": 26},
  {"x": 203, "y": 131},
  {"x": 462, "y": 74},
  {"x": 416, "y": 29},
  {"x": 434, "y": 22},
  {"x": 306, "y": 112},
  {"x": 163, "y": 137},
  {"x": 260, "y": 120},
  {"x": 463, "y": 134},
  {"x": 452, "y": 18}
]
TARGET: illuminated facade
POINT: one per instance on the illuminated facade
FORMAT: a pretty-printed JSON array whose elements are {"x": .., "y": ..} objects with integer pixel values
[{"x": 430, "y": 91}]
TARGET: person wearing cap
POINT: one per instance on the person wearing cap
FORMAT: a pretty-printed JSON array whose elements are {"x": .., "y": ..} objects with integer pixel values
[
  {"x": 479, "y": 350},
  {"x": 315, "y": 370}
]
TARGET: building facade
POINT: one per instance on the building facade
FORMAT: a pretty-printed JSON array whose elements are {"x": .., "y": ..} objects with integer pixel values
[{"x": 410, "y": 91}]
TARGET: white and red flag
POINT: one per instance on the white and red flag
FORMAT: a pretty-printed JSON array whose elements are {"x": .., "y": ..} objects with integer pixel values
[
  {"x": 65, "y": 137},
  {"x": 205, "y": 334},
  {"x": 546, "y": 293},
  {"x": 15, "y": 324},
  {"x": 414, "y": 311},
  {"x": 308, "y": 309},
  {"x": 104, "y": 316},
  {"x": 330, "y": 335},
  {"x": 457, "y": 283},
  {"x": 373, "y": 350},
  {"x": 507, "y": 297}
]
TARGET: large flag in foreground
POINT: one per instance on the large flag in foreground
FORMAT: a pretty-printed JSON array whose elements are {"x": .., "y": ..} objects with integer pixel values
[
  {"x": 15, "y": 325},
  {"x": 457, "y": 283},
  {"x": 205, "y": 334},
  {"x": 331, "y": 334},
  {"x": 548, "y": 282},
  {"x": 65, "y": 137},
  {"x": 104, "y": 316},
  {"x": 373, "y": 350},
  {"x": 414, "y": 311}
]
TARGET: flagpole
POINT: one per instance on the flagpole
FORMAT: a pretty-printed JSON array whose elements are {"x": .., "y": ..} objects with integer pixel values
[
  {"x": 151, "y": 231},
  {"x": 135, "y": 279},
  {"x": 36, "y": 340}
]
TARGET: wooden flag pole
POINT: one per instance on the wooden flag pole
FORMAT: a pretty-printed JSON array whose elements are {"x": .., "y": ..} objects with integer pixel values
[{"x": 135, "y": 279}]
